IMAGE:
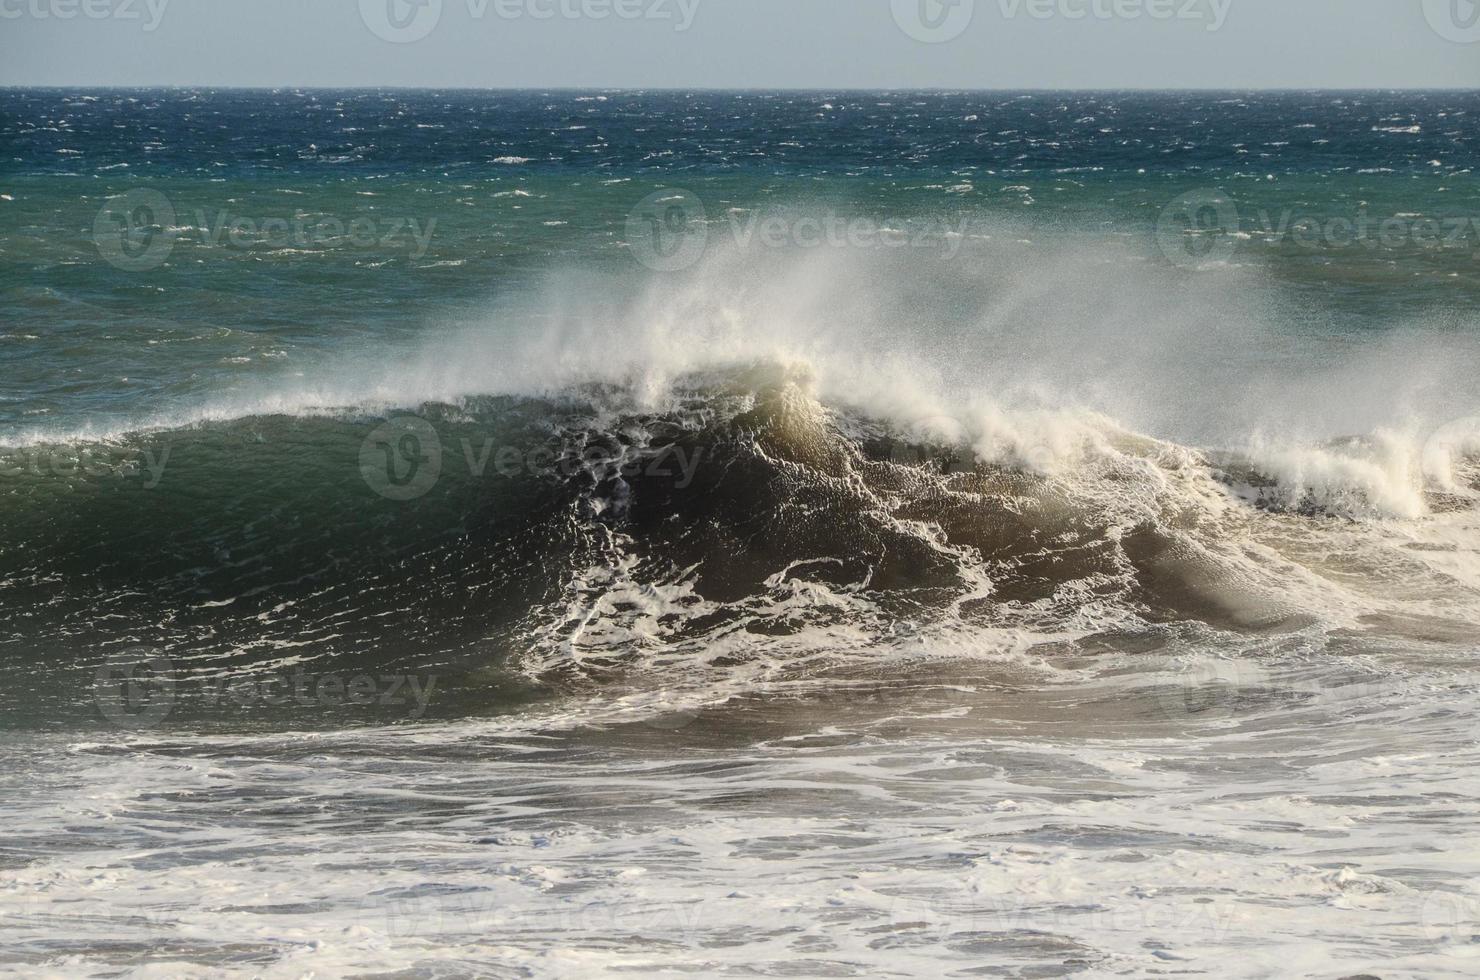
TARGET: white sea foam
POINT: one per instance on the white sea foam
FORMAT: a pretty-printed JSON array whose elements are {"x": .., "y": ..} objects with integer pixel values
[
  {"x": 1128, "y": 821},
  {"x": 1039, "y": 354}
]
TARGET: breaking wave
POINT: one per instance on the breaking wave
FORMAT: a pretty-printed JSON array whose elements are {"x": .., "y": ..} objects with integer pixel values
[{"x": 735, "y": 477}]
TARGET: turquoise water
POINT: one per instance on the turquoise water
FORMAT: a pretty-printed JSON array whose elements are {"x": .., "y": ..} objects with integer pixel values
[
  {"x": 468, "y": 199},
  {"x": 217, "y": 300},
  {"x": 487, "y": 533}
]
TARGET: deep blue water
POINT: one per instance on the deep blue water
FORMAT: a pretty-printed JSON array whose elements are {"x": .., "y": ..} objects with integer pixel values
[{"x": 899, "y": 135}]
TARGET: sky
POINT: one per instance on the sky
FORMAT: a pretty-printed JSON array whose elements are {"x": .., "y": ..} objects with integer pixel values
[{"x": 818, "y": 44}]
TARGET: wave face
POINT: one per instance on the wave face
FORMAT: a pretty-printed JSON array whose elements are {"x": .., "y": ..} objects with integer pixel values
[
  {"x": 747, "y": 531},
  {"x": 1028, "y": 602},
  {"x": 514, "y": 455}
]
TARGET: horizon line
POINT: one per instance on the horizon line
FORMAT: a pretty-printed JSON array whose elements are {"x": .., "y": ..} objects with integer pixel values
[{"x": 724, "y": 89}]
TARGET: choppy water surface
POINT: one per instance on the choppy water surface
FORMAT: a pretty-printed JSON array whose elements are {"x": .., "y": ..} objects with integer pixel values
[{"x": 832, "y": 534}]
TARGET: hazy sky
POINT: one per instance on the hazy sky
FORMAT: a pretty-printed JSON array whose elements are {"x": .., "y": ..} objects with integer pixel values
[{"x": 743, "y": 43}]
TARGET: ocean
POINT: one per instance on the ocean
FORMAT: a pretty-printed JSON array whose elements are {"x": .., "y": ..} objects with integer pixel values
[{"x": 808, "y": 534}]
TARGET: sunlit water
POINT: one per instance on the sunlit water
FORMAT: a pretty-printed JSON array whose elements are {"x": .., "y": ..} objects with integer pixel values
[{"x": 616, "y": 557}]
